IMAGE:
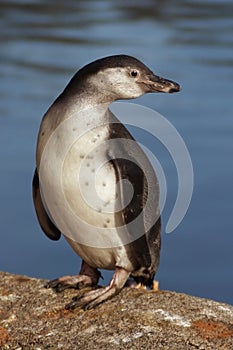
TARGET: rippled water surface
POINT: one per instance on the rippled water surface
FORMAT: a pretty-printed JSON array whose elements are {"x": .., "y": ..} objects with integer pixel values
[{"x": 44, "y": 43}]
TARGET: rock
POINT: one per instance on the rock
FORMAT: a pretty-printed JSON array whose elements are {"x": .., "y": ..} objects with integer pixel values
[{"x": 32, "y": 317}]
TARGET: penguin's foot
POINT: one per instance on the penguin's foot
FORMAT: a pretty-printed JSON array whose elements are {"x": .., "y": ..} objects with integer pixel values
[
  {"x": 94, "y": 297},
  {"x": 88, "y": 276},
  {"x": 133, "y": 284},
  {"x": 155, "y": 286},
  {"x": 65, "y": 282}
]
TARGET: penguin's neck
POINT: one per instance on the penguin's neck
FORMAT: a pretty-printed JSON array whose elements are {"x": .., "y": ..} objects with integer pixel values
[
  {"x": 87, "y": 106},
  {"x": 90, "y": 115}
]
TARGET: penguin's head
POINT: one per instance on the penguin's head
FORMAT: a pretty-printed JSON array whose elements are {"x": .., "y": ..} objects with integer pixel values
[{"x": 122, "y": 77}]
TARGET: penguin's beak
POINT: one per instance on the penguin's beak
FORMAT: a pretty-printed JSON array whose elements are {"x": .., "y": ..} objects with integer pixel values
[{"x": 155, "y": 83}]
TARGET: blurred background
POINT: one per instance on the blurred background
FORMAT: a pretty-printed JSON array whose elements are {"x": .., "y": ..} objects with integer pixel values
[{"x": 43, "y": 43}]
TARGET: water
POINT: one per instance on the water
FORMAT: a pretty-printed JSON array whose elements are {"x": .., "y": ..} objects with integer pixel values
[{"x": 44, "y": 43}]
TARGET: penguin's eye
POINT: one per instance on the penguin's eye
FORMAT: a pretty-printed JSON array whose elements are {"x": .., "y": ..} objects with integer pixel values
[{"x": 133, "y": 73}]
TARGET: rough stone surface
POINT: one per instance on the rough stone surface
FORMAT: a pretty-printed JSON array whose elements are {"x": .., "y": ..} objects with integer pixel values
[{"x": 32, "y": 317}]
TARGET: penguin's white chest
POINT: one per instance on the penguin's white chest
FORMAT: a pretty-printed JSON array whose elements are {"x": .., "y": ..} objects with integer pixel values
[
  {"x": 78, "y": 184},
  {"x": 88, "y": 176}
]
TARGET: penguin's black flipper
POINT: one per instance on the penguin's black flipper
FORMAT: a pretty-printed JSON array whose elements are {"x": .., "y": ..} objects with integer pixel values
[
  {"x": 46, "y": 224},
  {"x": 124, "y": 160}
]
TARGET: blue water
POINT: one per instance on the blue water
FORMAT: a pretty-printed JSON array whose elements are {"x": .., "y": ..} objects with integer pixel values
[{"x": 44, "y": 43}]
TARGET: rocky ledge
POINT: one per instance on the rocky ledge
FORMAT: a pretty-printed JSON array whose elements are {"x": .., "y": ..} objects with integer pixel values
[{"x": 32, "y": 317}]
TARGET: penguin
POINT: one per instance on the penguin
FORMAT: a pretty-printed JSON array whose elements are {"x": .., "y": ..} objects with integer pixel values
[{"x": 94, "y": 184}]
